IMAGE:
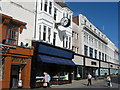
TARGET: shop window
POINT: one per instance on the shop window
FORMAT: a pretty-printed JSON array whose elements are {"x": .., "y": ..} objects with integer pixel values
[
  {"x": 96, "y": 54},
  {"x": 12, "y": 34},
  {"x": 50, "y": 7},
  {"x": 54, "y": 38},
  {"x": 100, "y": 55},
  {"x": 93, "y": 63},
  {"x": 85, "y": 50},
  {"x": 91, "y": 52},
  {"x": 55, "y": 13},
  {"x": 44, "y": 33},
  {"x": 46, "y": 4},
  {"x": 49, "y": 34}
]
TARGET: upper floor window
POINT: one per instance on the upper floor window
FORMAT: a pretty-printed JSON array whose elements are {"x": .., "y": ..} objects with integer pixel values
[
  {"x": 63, "y": 41},
  {"x": 91, "y": 52},
  {"x": 40, "y": 32},
  {"x": 100, "y": 55},
  {"x": 55, "y": 13},
  {"x": 49, "y": 34},
  {"x": 96, "y": 54},
  {"x": 105, "y": 57},
  {"x": 41, "y": 4},
  {"x": 54, "y": 38},
  {"x": 85, "y": 22},
  {"x": 12, "y": 34},
  {"x": 44, "y": 33},
  {"x": 69, "y": 42},
  {"x": 85, "y": 50},
  {"x": 50, "y": 7},
  {"x": 90, "y": 26},
  {"x": 66, "y": 41},
  {"x": 46, "y": 4}
]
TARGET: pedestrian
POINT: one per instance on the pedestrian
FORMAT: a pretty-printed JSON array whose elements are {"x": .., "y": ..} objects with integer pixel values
[
  {"x": 47, "y": 78},
  {"x": 109, "y": 84},
  {"x": 89, "y": 79}
]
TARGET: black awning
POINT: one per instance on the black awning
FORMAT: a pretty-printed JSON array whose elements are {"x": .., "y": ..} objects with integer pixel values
[{"x": 56, "y": 60}]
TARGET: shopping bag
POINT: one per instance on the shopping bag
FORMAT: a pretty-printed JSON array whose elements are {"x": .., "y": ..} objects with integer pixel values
[{"x": 45, "y": 84}]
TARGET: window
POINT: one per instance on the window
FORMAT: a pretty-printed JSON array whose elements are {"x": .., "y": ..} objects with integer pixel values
[
  {"x": 96, "y": 54},
  {"x": 93, "y": 63},
  {"x": 50, "y": 7},
  {"x": 90, "y": 26},
  {"x": 67, "y": 15},
  {"x": 12, "y": 34},
  {"x": 55, "y": 13},
  {"x": 76, "y": 35},
  {"x": 44, "y": 33},
  {"x": 63, "y": 41},
  {"x": 77, "y": 50},
  {"x": 40, "y": 32},
  {"x": 100, "y": 55},
  {"x": 91, "y": 52},
  {"x": 54, "y": 38},
  {"x": 72, "y": 33},
  {"x": 66, "y": 41},
  {"x": 85, "y": 50},
  {"x": 49, "y": 34},
  {"x": 72, "y": 48},
  {"x": 105, "y": 57},
  {"x": 69, "y": 42},
  {"x": 85, "y": 22},
  {"x": 45, "y": 8},
  {"x": 41, "y": 4}
]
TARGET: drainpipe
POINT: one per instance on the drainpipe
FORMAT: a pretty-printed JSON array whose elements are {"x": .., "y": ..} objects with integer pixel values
[{"x": 35, "y": 20}]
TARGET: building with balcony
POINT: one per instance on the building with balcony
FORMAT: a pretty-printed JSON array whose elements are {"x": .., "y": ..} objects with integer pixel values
[
  {"x": 15, "y": 60},
  {"x": 49, "y": 30},
  {"x": 94, "y": 51}
]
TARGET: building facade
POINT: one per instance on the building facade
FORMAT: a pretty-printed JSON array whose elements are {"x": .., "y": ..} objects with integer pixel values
[
  {"x": 48, "y": 22},
  {"x": 98, "y": 50},
  {"x": 15, "y": 61}
]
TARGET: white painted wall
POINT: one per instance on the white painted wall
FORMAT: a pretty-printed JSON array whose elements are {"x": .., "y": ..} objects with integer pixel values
[{"x": 23, "y": 12}]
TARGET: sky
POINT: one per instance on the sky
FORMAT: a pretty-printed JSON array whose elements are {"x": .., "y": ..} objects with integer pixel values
[{"x": 100, "y": 14}]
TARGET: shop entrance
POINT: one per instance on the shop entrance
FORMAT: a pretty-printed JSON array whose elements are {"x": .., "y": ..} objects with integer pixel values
[{"x": 14, "y": 76}]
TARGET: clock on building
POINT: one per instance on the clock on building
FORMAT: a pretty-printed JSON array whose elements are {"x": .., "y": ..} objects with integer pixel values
[{"x": 65, "y": 22}]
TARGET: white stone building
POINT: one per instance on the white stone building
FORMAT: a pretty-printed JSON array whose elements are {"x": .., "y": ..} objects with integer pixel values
[
  {"x": 49, "y": 13},
  {"x": 97, "y": 48}
]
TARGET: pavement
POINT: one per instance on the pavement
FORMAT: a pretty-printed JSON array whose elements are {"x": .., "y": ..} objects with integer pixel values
[{"x": 100, "y": 83}]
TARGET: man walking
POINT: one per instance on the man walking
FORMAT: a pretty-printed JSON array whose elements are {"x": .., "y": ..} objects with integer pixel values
[{"x": 89, "y": 79}]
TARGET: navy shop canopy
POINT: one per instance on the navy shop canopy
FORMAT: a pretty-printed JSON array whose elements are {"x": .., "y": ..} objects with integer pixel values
[{"x": 56, "y": 60}]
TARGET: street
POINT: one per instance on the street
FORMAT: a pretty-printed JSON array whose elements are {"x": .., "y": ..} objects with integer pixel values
[{"x": 99, "y": 84}]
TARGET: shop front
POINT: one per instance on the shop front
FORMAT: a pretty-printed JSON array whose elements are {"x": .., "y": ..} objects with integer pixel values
[
  {"x": 15, "y": 67},
  {"x": 79, "y": 68},
  {"x": 56, "y": 61},
  {"x": 91, "y": 66}
]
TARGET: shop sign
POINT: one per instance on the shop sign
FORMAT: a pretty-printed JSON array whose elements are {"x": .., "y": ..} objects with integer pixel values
[{"x": 18, "y": 60}]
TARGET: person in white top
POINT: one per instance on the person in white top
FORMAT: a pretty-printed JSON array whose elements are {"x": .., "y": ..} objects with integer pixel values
[{"x": 89, "y": 79}]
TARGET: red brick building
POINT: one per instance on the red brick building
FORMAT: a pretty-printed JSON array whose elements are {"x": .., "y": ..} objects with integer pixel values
[{"x": 15, "y": 61}]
